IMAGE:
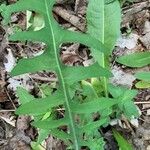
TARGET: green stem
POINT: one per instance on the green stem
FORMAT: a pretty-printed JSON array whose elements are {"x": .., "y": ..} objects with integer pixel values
[
  {"x": 62, "y": 82},
  {"x": 103, "y": 56},
  {"x": 105, "y": 81}
]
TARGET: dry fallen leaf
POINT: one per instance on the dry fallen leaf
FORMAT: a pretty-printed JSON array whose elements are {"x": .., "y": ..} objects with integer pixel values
[
  {"x": 8, "y": 118},
  {"x": 11, "y": 61},
  {"x": 2, "y": 84},
  {"x": 128, "y": 42},
  {"x": 121, "y": 78},
  {"x": 3, "y": 97}
]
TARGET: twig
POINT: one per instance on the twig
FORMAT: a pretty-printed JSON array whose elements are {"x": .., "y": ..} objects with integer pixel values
[
  {"x": 134, "y": 9},
  {"x": 11, "y": 110},
  {"x": 74, "y": 20},
  {"x": 48, "y": 79},
  {"x": 142, "y": 102},
  {"x": 10, "y": 98}
]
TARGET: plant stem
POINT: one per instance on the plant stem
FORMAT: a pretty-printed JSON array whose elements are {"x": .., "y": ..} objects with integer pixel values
[
  {"x": 62, "y": 82},
  {"x": 105, "y": 81},
  {"x": 103, "y": 56}
]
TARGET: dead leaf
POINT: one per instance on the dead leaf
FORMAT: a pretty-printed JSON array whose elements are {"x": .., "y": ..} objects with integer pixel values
[
  {"x": 122, "y": 78},
  {"x": 70, "y": 58},
  {"x": 23, "y": 122},
  {"x": 128, "y": 42},
  {"x": 2, "y": 83},
  {"x": 3, "y": 97}
]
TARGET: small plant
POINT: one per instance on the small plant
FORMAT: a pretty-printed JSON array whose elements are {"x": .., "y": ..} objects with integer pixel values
[{"x": 81, "y": 99}]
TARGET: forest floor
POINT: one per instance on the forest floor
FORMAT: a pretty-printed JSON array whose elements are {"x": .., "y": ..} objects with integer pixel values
[{"x": 16, "y": 132}]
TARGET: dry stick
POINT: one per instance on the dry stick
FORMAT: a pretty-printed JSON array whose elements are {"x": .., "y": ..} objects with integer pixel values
[
  {"x": 10, "y": 98},
  {"x": 11, "y": 110},
  {"x": 70, "y": 17},
  {"x": 142, "y": 102},
  {"x": 46, "y": 79},
  {"x": 135, "y": 8}
]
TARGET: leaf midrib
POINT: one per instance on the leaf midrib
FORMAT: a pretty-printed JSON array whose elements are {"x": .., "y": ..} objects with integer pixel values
[
  {"x": 62, "y": 80},
  {"x": 103, "y": 56}
]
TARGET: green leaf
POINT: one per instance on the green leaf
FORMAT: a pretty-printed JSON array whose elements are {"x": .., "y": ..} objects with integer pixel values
[
  {"x": 34, "y": 22},
  {"x": 61, "y": 135},
  {"x": 97, "y": 85},
  {"x": 143, "y": 76},
  {"x": 88, "y": 90},
  {"x": 96, "y": 144},
  {"x": 38, "y": 63},
  {"x": 50, "y": 124},
  {"x": 116, "y": 91},
  {"x": 54, "y": 132},
  {"x": 93, "y": 106},
  {"x": 24, "y": 95},
  {"x": 130, "y": 109},
  {"x": 103, "y": 22},
  {"x": 46, "y": 90},
  {"x": 43, "y": 134},
  {"x": 109, "y": 1},
  {"x": 135, "y": 60},
  {"x": 94, "y": 125},
  {"x": 122, "y": 142},
  {"x": 41, "y": 105},
  {"x": 36, "y": 147},
  {"x": 125, "y": 98},
  {"x": 81, "y": 73},
  {"x": 143, "y": 85}
]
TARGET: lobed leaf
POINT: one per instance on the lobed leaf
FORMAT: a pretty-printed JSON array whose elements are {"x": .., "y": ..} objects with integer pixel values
[
  {"x": 80, "y": 73},
  {"x": 93, "y": 106},
  {"x": 94, "y": 125},
  {"x": 50, "y": 124},
  {"x": 24, "y": 95},
  {"x": 41, "y": 105}
]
